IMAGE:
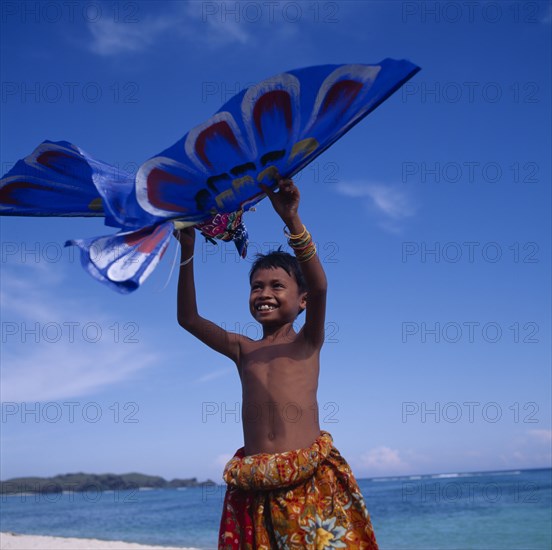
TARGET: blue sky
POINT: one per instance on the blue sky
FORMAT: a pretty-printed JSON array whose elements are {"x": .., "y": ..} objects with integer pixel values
[{"x": 432, "y": 219}]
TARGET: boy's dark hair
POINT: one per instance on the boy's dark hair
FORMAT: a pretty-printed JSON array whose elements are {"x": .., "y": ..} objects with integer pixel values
[{"x": 280, "y": 258}]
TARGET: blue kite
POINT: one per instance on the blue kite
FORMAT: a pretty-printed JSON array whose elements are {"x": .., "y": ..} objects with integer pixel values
[{"x": 207, "y": 179}]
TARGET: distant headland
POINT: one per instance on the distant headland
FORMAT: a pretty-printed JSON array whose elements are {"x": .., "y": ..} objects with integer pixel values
[{"x": 81, "y": 482}]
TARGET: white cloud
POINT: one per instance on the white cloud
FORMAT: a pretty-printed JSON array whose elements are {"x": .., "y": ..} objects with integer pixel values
[
  {"x": 223, "y": 24},
  {"x": 63, "y": 371},
  {"x": 112, "y": 38},
  {"x": 57, "y": 347},
  {"x": 191, "y": 21},
  {"x": 390, "y": 204},
  {"x": 532, "y": 449},
  {"x": 222, "y": 459},
  {"x": 383, "y": 460},
  {"x": 541, "y": 436},
  {"x": 213, "y": 375},
  {"x": 531, "y": 459},
  {"x": 22, "y": 292},
  {"x": 210, "y": 24}
]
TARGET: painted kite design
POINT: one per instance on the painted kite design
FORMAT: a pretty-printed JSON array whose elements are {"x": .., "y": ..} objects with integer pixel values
[{"x": 207, "y": 179}]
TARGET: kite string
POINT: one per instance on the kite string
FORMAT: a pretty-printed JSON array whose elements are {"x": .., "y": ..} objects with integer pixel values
[{"x": 172, "y": 268}]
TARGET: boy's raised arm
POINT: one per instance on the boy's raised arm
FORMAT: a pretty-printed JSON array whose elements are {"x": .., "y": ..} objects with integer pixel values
[
  {"x": 286, "y": 204},
  {"x": 227, "y": 343}
]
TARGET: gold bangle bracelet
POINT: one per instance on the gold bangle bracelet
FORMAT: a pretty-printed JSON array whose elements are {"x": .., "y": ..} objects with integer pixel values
[
  {"x": 307, "y": 256},
  {"x": 292, "y": 236}
]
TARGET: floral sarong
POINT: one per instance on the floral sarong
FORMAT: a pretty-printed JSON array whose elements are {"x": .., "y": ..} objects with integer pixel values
[{"x": 303, "y": 499}]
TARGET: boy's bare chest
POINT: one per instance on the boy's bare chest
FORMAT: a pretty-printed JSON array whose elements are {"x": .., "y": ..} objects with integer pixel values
[
  {"x": 279, "y": 357},
  {"x": 279, "y": 385},
  {"x": 280, "y": 365}
]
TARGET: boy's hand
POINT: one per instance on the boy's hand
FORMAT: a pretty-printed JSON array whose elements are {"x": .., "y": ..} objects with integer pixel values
[{"x": 286, "y": 201}]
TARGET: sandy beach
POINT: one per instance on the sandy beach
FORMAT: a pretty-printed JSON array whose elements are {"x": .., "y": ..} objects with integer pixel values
[{"x": 13, "y": 541}]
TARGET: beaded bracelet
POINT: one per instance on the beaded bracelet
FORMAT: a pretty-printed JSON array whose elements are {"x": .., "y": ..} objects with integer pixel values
[
  {"x": 307, "y": 256},
  {"x": 307, "y": 253},
  {"x": 301, "y": 242},
  {"x": 298, "y": 236},
  {"x": 302, "y": 245}
]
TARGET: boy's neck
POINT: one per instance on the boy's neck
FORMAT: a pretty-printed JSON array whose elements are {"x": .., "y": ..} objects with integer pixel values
[{"x": 278, "y": 332}]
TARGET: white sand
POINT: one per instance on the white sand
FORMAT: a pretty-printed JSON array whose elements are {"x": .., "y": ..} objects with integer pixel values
[{"x": 13, "y": 541}]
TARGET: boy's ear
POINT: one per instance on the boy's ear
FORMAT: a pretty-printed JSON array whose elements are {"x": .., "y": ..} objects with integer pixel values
[{"x": 303, "y": 301}]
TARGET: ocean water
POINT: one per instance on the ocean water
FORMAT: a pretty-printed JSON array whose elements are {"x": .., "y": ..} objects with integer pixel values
[{"x": 488, "y": 510}]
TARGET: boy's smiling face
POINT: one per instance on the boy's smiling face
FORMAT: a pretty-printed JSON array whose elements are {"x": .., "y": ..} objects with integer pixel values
[{"x": 275, "y": 296}]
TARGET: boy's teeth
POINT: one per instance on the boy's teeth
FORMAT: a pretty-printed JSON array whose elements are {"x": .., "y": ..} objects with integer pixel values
[{"x": 265, "y": 306}]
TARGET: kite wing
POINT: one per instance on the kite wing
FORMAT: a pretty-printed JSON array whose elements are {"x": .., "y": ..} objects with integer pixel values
[
  {"x": 275, "y": 127},
  {"x": 123, "y": 261},
  {"x": 60, "y": 179},
  {"x": 210, "y": 177}
]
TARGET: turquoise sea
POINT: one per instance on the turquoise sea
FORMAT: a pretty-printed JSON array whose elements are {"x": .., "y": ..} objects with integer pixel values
[{"x": 487, "y": 510}]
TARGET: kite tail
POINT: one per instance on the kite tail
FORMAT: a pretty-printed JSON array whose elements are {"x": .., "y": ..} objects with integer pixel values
[
  {"x": 125, "y": 260},
  {"x": 60, "y": 179}
]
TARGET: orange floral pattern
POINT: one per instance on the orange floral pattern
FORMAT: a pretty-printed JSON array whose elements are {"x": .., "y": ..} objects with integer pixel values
[{"x": 297, "y": 500}]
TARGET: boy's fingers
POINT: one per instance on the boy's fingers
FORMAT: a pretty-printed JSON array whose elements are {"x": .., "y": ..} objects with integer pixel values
[
  {"x": 287, "y": 184},
  {"x": 268, "y": 192}
]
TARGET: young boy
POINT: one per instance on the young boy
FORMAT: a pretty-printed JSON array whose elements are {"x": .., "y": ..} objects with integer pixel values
[{"x": 288, "y": 487}]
